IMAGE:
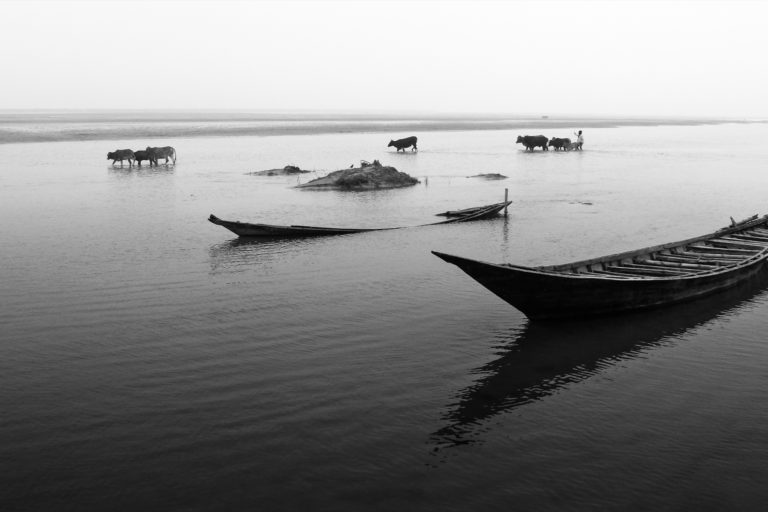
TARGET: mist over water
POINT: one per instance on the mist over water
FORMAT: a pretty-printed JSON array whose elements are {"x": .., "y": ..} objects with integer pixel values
[{"x": 152, "y": 360}]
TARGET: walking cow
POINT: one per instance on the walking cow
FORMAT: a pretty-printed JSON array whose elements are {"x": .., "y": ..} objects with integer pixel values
[
  {"x": 558, "y": 143},
  {"x": 121, "y": 154},
  {"x": 404, "y": 143},
  {"x": 532, "y": 141},
  {"x": 141, "y": 155},
  {"x": 155, "y": 154}
]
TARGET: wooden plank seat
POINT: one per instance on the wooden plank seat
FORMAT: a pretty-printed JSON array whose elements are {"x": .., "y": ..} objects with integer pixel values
[
  {"x": 735, "y": 242},
  {"x": 751, "y": 237},
  {"x": 714, "y": 255},
  {"x": 694, "y": 259},
  {"x": 675, "y": 264},
  {"x": 730, "y": 245},
  {"x": 709, "y": 249},
  {"x": 629, "y": 268}
]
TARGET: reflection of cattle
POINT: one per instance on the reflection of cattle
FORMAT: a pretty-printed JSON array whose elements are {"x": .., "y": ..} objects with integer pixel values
[
  {"x": 558, "y": 143},
  {"x": 121, "y": 154},
  {"x": 404, "y": 143},
  {"x": 155, "y": 154},
  {"x": 532, "y": 141},
  {"x": 140, "y": 156}
]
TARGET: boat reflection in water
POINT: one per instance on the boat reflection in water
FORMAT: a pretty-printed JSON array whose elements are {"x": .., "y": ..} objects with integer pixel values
[
  {"x": 249, "y": 253},
  {"x": 545, "y": 356}
]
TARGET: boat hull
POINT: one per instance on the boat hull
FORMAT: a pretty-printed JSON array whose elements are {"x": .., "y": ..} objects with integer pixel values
[
  {"x": 246, "y": 229},
  {"x": 548, "y": 296}
]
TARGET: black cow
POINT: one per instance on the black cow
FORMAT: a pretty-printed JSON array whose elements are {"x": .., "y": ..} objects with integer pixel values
[
  {"x": 157, "y": 153},
  {"x": 121, "y": 154},
  {"x": 558, "y": 143},
  {"x": 532, "y": 141},
  {"x": 404, "y": 143},
  {"x": 141, "y": 155}
]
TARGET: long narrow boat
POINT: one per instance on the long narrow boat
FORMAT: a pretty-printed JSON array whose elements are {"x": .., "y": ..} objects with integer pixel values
[
  {"x": 246, "y": 229},
  {"x": 640, "y": 279},
  {"x": 460, "y": 213}
]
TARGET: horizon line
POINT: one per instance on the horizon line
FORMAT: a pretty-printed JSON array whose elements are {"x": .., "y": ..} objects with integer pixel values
[{"x": 370, "y": 112}]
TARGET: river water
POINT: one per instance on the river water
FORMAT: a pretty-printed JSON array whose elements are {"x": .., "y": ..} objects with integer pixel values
[{"x": 151, "y": 360}]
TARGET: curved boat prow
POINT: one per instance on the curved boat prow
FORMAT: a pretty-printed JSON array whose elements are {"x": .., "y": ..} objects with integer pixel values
[{"x": 450, "y": 258}]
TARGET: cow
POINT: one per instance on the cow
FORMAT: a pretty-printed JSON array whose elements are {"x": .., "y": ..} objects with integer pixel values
[
  {"x": 558, "y": 143},
  {"x": 140, "y": 156},
  {"x": 155, "y": 154},
  {"x": 532, "y": 141},
  {"x": 121, "y": 154},
  {"x": 404, "y": 143}
]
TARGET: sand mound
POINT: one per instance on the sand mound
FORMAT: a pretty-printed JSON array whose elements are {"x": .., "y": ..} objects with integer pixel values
[{"x": 367, "y": 176}]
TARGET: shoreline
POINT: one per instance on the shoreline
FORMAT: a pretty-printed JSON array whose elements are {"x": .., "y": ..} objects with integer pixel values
[{"x": 19, "y": 128}]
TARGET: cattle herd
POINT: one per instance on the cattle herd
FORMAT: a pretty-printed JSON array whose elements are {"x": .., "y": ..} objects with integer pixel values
[
  {"x": 152, "y": 155},
  {"x": 530, "y": 142},
  {"x": 533, "y": 141}
]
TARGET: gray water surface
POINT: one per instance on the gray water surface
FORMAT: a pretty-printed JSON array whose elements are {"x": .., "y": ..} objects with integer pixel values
[{"x": 152, "y": 360}]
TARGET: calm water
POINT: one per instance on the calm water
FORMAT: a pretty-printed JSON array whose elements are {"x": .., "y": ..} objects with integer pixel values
[{"x": 150, "y": 360}]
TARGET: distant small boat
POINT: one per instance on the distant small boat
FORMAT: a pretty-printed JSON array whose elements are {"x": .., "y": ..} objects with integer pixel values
[
  {"x": 461, "y": 213},
  {"x": 246, "y": 229},
  {"x": 640, "y": 279}
]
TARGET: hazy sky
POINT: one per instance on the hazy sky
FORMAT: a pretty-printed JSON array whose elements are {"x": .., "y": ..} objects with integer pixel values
[{"x": 668, "y": 58}]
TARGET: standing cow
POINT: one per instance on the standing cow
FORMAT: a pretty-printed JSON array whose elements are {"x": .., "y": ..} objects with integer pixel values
[
  {"x": 141, "y": 155},
  {"x": 558, "y": 143},
  {"x": 404, "y": 143},
  {"x": 121, "y": 154},
  {"x": 155, "y": 154},
  {"x": 532, "y": 141}
]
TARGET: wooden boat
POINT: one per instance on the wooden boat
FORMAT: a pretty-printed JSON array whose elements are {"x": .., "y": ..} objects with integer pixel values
[
  {"x": 246, "y": 229},
  {"x": 645, "y": 278},
  {"x": 460, "y": 213}
]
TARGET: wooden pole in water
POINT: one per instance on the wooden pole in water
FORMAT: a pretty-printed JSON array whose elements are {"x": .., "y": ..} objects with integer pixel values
[{"x": 506, "y": 195}]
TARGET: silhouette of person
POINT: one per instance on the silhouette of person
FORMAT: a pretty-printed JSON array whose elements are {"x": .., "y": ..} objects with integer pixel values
[{"x": 579, "y": 139}]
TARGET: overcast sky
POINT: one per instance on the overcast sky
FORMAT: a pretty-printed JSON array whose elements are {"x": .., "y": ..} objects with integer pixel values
[{"x": 656, "y": 58}]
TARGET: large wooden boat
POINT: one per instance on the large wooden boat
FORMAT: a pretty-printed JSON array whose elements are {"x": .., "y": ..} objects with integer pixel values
[
  {"x": 644, "y": 278},
  {"x": 246, "y": 229}
]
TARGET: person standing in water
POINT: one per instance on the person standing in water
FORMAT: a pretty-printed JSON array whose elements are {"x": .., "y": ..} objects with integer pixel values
[{"x": 579, "y": 139}]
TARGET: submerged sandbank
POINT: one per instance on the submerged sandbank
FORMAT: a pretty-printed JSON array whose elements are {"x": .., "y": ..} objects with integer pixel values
[{"x": 17, "y": 127}]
